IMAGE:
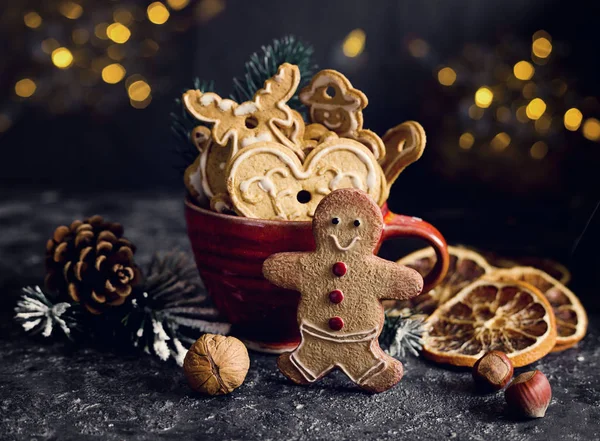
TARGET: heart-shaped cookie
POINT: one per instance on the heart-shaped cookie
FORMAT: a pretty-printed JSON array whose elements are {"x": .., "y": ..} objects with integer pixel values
[{"x": 267, "y": 181}]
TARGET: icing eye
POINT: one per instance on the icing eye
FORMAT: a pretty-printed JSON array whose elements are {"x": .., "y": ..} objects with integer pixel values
[
  {"x": 335, "y": 220},
  {"x": 357, "y": 223}
]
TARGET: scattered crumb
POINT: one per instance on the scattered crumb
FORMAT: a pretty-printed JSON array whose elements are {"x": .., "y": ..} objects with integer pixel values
[
  {"x": 581, "y": 358},
  {"x": 299, "y": 406}
]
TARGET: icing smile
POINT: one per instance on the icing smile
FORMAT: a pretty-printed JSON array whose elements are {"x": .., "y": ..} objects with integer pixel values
[{"x": 346, "y": 248}]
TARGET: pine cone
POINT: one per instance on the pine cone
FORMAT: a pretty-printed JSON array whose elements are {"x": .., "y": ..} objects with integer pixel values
[{"x": 91, "y": 262}]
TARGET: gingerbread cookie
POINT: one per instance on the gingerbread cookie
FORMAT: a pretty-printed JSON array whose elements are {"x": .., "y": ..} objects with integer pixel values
[
  {"x": 334, "y": 103},
  {"x": 266, "y": 118},
  {"x": 404, "y": 144},
  {"x": 192, "y": 178},
  {"x": 341, "y": 285},
  {"x": 268, "y": 181}
]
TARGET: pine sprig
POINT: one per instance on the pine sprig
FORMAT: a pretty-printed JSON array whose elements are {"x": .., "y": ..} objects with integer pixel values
[
  {"x": 263, "y": 65},
  {"x": 402, "y": 334},
  {"x": 182, "y": 124},
  {"x": 171, "y": 310},
  {"x": 39, "y": 312}
]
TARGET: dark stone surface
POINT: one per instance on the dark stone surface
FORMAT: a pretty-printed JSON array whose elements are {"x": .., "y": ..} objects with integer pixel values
[{"x": 53, "y": 391}]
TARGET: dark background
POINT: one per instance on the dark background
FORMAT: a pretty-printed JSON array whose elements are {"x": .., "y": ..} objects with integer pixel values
[{"x": 503, "y": 201}]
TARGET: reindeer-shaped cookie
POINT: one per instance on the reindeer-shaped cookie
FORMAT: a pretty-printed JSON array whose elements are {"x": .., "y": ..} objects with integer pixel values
[
  {"x": 341, "y": 285},
  {"x": 266, "y": 118}
]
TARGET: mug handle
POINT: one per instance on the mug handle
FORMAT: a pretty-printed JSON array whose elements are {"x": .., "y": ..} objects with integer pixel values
[{"x": 397, "y": 225}]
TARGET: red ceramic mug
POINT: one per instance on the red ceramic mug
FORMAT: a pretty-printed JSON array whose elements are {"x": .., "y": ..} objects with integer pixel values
[{"x": 230, "y": 252}]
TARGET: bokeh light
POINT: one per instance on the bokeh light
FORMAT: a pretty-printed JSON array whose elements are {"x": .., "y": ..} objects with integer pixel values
[
  {"x": 32, "y": 20},
  {"x": 541, "y": 47},
  {"x": 536, "y": 108},
  {"x": 523, "y": 70},
  {"x": 100, "y": 31},
  {"x": 80, "y": 36},
  {"x": 538, "y": 150},
  {"x": 484, "y": 97},
  {"x": 71, "y": 10},
  {"x": 118, "y": 33},
  {"x": 123, "y": 16},
  {"x": 591, "y": 129},
  {"x": 475, "y": 112},
  {"x": 572, "y": 119},
  {"x": 62, "y": 57},
  {"x": 25, "y": 87},
  {"x": 503, "y": 114},
  {"x": 157, "y": 13},
  {"x": 139, "y": 90},
  {"x": 418, "y": 48},
  {"x": 113, "y": 73},
  {"x": 354, "y": 43},
  {"x": 466, "y": 141},
  {"x": 446, "y": 76},
  {"x": 500, "y": 141},
  {"x": 177, "y": 5}
]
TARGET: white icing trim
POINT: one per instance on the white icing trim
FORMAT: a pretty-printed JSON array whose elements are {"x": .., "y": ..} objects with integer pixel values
[
  {"x": 341, "y": 248},
  {"x": 246, "y": 108},
  {"x": 371, "y": 372},
  {"x": 203, "y": 159}
]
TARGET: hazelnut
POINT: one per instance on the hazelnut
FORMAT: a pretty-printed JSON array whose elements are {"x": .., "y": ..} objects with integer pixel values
[
  {"x": 529, "y": 394},
  {"x": 493, "y": 371},
  {"x": 216, "y": 364}
]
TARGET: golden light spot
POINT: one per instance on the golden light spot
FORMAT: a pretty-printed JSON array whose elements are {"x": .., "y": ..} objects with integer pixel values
[
  {"x": 139, "y": 90},
  {"x": 542, "y": 125},
  {"x": 118, "y": 33},
  {"x": 177, "y": 5},
  {"x": 141, "y": 104},
  {"x": 466, "y": 141},
  {"x": 49, "y": 44},
  {"x": 149, "y": 47},
  {"x": 529, "y": 90},
  {"x": 418, "y": 48},
  {"x": 116, "y": 52},
  {"x": 80, "y": 36},
  {"x": 503, "y": 114},
  {"x": 484, "y": 97},
  {"x": 123, "y": 16},
  {"x": 113, "y": 73},
  {"x": 32, "y": 20},
  {"x": 70, "y": 10},
  {"x": 354, "y": 43},
  {"x": 157, "y": 13},
  {"x": 100, "y": 31},
  {"x": 572, "y": 119},
  {"x": 62, "y": 57},
  {"x": 446, "y": 76},
  {"x": 475, "y": 112},
  {"x": 541, "y": 47},
  {"x": 208, "y": 9},
  {"x": 536, "y": 108},
  {"x": 523, "y": 70},
  {"x": 538, "y": 150},
  {"x": 591, "y": 129},
  {"x": 500, "y": 141},
  {"x": 25, "y": 88},
  {"x": 522, "y": 114}
]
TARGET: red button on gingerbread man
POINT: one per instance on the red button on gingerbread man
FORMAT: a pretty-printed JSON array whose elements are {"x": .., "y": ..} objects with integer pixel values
[{"x": 344, "y": 334}]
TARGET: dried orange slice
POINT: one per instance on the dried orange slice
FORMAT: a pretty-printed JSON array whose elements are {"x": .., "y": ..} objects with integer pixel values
[
  {"x": 571, "y": 318},
  {"x": 549, "y": 266},
  {"x": 512, "y": 317},
  {"x": 465, "y": 267}
]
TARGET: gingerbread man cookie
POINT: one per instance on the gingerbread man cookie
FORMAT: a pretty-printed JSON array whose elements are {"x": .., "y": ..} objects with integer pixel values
[
  {"x": 267, "y": 181},
  {"x": 341, "y": 285},
  {"x": 266, "y": 118},
  {"x": 192, "y": 178},
  {"x": 334, "y": 103}
]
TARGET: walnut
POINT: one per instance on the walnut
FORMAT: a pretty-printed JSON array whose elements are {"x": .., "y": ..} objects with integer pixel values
[{"x": 216, "y": 365}]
